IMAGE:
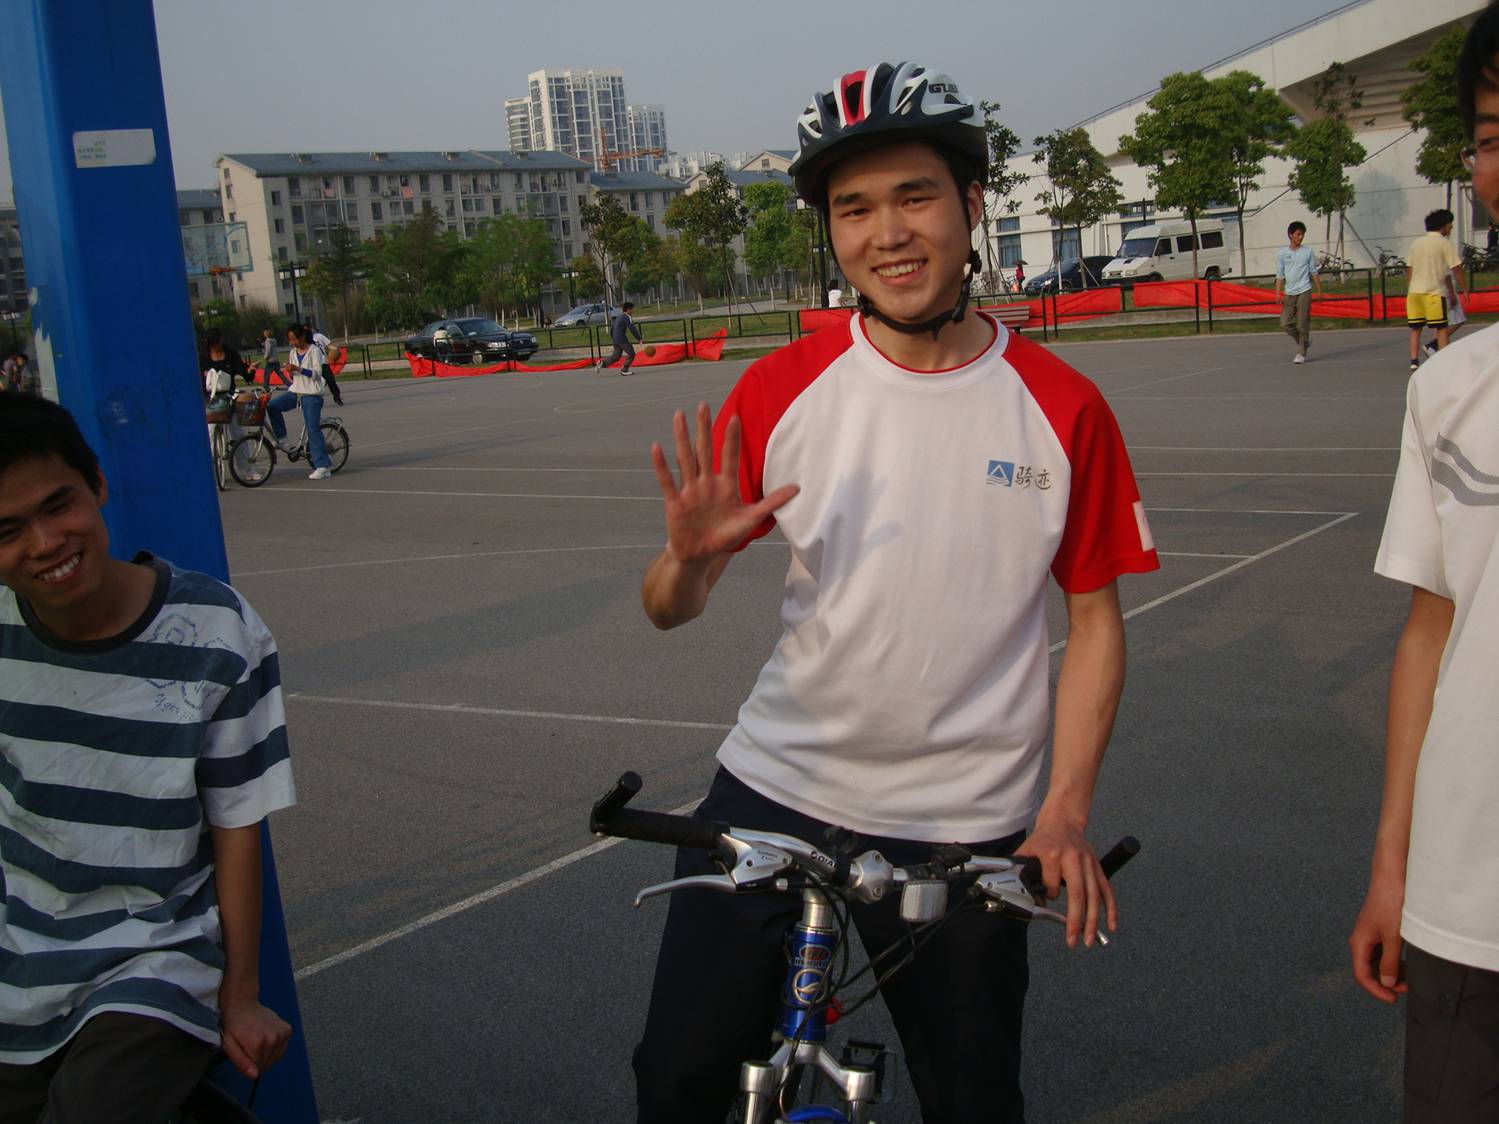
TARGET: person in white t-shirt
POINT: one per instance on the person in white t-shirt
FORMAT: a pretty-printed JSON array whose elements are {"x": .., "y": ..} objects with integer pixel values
[
  {"x": 929, "y": 471},
  {"x": 305, "y": 364},
  {"x": 1434, "y": 885}
]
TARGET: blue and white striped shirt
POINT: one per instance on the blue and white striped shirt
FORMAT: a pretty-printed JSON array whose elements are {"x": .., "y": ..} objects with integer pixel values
[{"x": 115, "y": 757}]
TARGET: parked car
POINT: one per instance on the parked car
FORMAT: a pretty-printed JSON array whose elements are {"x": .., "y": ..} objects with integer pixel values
[
  {"x": 1077, "y": 273},
  {"x": 471, "y": 339},
  {"x": 586, "y": 315},
  {"x": 1163, "y": 252}
]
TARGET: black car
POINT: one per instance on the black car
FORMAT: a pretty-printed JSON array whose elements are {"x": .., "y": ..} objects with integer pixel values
[
  {"x": 471, "y": 339},
  {"x": 1077, "y": 273}
]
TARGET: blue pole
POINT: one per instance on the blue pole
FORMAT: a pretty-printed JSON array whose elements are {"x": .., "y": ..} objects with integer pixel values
[{"x": 92, "y": 169}]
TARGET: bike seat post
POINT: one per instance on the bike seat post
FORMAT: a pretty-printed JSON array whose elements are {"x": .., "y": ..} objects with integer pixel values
[{"x": 814, "y": 943}]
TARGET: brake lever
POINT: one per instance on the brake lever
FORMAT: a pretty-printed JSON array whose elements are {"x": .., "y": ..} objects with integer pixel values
[
  {"x": 755, "y": 864},
  {"x": 1008, "y": 894},
  {"x": 721, "y": 882}
]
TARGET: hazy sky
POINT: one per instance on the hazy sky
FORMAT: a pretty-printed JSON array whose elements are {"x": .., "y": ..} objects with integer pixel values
[{"x": 362, "y": 75}]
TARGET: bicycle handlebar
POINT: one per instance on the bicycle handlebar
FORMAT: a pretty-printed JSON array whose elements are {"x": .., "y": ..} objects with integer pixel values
[{"x": 611, "y": 817}]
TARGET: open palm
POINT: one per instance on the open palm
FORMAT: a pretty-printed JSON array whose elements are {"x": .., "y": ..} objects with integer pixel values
[{"x": 705, "y": 515}]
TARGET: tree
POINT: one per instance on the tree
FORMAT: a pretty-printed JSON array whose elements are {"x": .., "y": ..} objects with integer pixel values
[
  {"x": 768, "y": 206},
  {"x": 1003, "y": 143},
  {"x": 647, "y": 262},
  {"x": 711, "y": 217},
  {"x": 510, "y": 258},
  {"x": 1257, "y": 124},
  {"x": 1431, "y": 106},
  {"x": 415, "y": 270},
  {"x": 1324, "y": 148},
  {"x": 801, "y": 242},
  {"x": 1081, "y": 189},
  {"x": 586, "y": 277},
  {"x": 336, "y": 271},
  {"x": 607, "y": 224},
  {"x": 1181, "y": 140}
]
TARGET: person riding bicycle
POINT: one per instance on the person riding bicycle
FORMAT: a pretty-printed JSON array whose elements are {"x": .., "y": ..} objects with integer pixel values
[
  {"x": 928, "y": 468},
  {"x": 305, "y": 362}
]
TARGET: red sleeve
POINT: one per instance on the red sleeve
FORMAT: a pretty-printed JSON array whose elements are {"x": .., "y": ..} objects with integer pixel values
[
  {"x": 1106, "y": 532},
  {"x": 761, "y": 398}
]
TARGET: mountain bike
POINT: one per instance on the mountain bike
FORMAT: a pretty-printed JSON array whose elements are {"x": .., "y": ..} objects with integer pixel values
[
  {"x": 252, "y": 458},
  {"x": 761, "y": 861}
]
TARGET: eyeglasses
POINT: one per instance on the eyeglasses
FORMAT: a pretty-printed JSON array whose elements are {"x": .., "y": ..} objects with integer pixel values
[{"x": 1485, "y": 151}]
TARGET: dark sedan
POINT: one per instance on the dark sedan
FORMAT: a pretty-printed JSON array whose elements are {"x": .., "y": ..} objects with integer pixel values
[
  {"x": 1077, "y": 273},
  {"x": 471, "y": 339}
]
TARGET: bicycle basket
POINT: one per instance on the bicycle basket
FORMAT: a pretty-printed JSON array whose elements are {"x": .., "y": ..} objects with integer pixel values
[
  {"x": 218, "y": 410},
  {"x": 249, "y": 408}
]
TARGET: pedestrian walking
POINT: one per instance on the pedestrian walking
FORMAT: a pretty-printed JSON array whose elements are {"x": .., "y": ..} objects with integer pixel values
[
  {"x": 326, "y": 346},
  {"x": 1436, "y": 277},
  {"x": 1295, "y": 279}
]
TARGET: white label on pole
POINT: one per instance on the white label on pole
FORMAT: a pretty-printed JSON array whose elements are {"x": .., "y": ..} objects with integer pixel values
[{"x": 114, "y": 148}]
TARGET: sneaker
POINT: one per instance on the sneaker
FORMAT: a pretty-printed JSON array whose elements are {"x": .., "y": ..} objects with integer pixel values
[
  {"x": 1431, "y": 347},
  {"x": 1414, "y": 364},
  {"x": 1299, "y": 358},
  {"x": 320, "y": 474},
  {"x": 625, "y": 371}
]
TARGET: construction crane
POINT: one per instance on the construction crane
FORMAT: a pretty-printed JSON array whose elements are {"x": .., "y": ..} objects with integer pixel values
[{"x": 608, "y": 159}]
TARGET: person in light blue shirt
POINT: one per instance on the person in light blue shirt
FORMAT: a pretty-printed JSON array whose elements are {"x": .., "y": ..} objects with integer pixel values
[{"x": 1295, "y": 277}]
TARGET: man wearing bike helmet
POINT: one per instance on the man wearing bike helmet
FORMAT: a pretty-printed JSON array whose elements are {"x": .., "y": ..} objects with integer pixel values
[{"x": 928, "y": 470}]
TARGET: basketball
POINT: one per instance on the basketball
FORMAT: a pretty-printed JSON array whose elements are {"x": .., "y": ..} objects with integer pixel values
[{"x": 650, "y": 349}]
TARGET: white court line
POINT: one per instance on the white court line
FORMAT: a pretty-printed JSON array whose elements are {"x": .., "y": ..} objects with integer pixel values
[
  {"x": 294, "y": 490},
  {"x": 1246, "y": 511},
  {"x": 550, "y": 415},
  {"x": 437, "y": 558},
  {"x": 501, "y": 712},
  {"x": 1263, "y": 449},
  {"x": 1194, "y": 554},
  {"x": 468, "y": 903},
  {"x": 1157, "y": 382},
  {"x": 593, "y": 849},
  {"x": 1259, "y": 475}
]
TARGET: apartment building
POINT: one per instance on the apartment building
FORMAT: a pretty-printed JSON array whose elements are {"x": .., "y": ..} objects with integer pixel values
[
  {"x": 642, "y": 194},
  {"x": 580, "y": 112},
  {"x": 518, "y": 124},
  {"x": 290, "y": 201},
  {"x": 646, "y": 129},
  {"x": 14, "y": 295},
  {"x": 202, "y": 207},
  {"x": 770, "y": 160}
]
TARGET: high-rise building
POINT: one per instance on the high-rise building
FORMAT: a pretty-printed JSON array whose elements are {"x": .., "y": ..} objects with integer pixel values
[
  {"x": 647, "y": 130},
  {"x": 518, "y": 123},
  {"x": 579, "y": 112},
  {"x": 583, "y": 113}
]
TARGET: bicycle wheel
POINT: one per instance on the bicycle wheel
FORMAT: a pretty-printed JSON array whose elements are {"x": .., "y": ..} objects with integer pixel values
[
  {"x": 336, "y": 442},
  {"x": 220, "y": 448},
  {"x": 252, "y": 460}
]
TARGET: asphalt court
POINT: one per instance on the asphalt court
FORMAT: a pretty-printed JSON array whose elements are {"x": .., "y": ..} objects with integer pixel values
[{"x": 467, "y": 668}]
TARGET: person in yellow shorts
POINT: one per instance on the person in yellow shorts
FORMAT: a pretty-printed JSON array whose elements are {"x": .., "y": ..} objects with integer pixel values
[{"x": 1434, "y": 266}]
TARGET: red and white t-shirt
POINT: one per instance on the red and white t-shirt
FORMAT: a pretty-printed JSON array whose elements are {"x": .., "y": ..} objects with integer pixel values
[{"x": 907, "y": 695}]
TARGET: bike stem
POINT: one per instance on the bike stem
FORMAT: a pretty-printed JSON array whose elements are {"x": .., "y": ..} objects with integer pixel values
[{"x": 802, "y": 1028}]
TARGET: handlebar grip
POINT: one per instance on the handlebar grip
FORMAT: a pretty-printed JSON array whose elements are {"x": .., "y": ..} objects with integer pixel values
[
  {"x": 1030, "y": 874},
  {"x": 663, "y": 827},
  {"x": 611, "y": 817},
  {"x": 1126, "y": 849}
]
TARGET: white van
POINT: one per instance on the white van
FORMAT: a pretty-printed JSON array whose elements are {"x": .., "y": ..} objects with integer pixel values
[{"x": 1163, "y": 252}]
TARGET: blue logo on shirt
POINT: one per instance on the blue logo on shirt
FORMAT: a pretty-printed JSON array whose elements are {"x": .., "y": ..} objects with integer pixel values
[{"x": 1001, "y": 472}]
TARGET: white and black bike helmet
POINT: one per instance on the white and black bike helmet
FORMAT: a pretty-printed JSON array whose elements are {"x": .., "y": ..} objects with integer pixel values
[{"x": 886, "y": 104}]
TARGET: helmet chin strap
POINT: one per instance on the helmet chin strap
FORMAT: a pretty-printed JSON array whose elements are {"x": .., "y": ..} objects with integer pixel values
[{"x": 941, "y": 320}]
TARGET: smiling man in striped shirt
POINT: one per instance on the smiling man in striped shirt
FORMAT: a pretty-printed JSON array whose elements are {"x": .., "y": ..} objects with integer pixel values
[{"x": 142, "y": 741}]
